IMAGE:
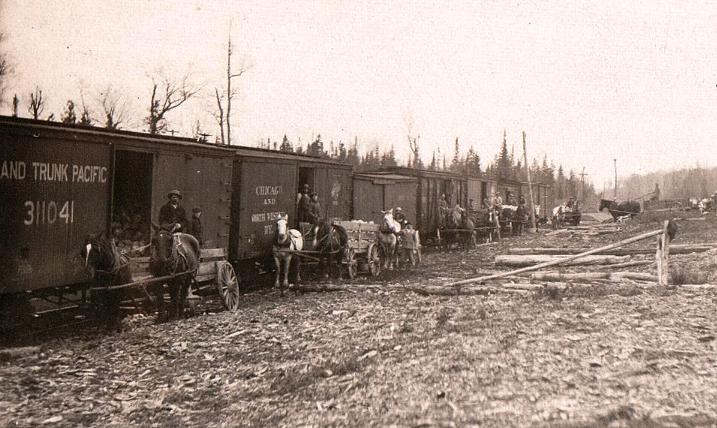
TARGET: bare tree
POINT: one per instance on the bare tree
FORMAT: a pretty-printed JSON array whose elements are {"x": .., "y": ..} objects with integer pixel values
[
  {"x": 113, "y": 107},
  {"x": 85, "y": 115},
  {"x": 412, "y": 142},
  {"x": 37, "y": 103},
  {"x": 5, "y": 68},
  {"x": 223, "y": 114},
  {"x": 167, "y": 95}
]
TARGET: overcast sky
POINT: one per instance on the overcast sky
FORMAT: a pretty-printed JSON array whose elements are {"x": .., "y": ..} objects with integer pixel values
[{"x": 588, "y": 82}]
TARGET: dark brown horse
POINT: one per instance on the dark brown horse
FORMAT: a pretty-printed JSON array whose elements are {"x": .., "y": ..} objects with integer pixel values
[
  {"x": 631, "y": 208},
  {"x": 108, "y": 268},
  {"x": 176, "y": 255},
  {"x": 330, "y": 241}
]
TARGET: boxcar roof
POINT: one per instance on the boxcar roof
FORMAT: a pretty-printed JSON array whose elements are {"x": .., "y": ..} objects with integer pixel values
[
  {"x": 274, "y": 154},
  {"x": 384, "y": 176},
  {"x": 41, "y": 128},
  {"x": 424, "y": 173}
]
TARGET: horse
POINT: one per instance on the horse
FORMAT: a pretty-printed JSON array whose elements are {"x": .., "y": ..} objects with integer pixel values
[
  {"x": 458, "y": 218},
  {"x": 330, "y": 241},
  {"x": 631, "y": 208},
  {"x": 286, "y": 239},
  {"x": 107, "y": 267},
  {"x": 484, "y": 224},
  {"x": 173, "y": 253},
  {"x": 558, "y": 216},
  {"x": 507, "y": 215},
  {"x": 388, "y": 240}
]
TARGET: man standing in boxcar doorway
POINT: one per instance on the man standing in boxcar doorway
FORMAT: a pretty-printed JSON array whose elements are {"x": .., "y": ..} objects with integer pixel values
[
  {"x": 304, "y": 202},
  {"x": 172, "y": 215}
]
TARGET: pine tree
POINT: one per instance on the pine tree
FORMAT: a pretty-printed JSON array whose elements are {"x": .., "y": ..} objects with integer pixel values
[
  {"x": 560, "y": 183},
  {"x": 286, "y": 145},
  {"x": 433, "y": 162},
  {"x": 69, "y": 116},
  {"x": 456, "y": 165},
  {"x": 503, "y": 162}
]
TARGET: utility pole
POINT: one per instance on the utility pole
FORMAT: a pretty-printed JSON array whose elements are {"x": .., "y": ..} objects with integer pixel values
[
  {"x": 533, "y": 226},
  {"x": 582, "y": 185},
  {"x": 615, "y": 163}
]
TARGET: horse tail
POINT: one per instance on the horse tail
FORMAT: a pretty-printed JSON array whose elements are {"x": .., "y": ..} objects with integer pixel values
[{"x": 343, "y": 234}]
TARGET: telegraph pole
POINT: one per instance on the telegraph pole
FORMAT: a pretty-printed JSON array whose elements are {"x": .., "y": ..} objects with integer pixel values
[
  {"x": 533, "y": 226},
  {"x": 582, "y": 184},
  {"x": 615, "y": 163}
]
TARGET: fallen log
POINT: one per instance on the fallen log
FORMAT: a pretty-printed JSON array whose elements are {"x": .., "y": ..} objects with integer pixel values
[
  {"x": 697, "y": 286},
  {"x": 592, "y": 276},
  {"x": 528, "y": 260},
  {"x": 352, "y": 288},
  {"x": 16, "y": 353},
  {"x": 674, "y": 249},
  {"x": 561, "y": 260},
  {"x": 626, "y": 264}
]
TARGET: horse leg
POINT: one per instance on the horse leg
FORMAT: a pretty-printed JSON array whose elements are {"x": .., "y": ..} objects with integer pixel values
[
  {"x": 183, "y": 292},
  {"x": 277, "y": 262},
  {"x": 287, "y": 267},
  {"x": 173, "y": 299},
  {"x": 158, "y": 290}
]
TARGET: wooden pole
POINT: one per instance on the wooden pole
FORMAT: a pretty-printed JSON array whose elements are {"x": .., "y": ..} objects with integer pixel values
[
  {"x": 533, "y": 227},
  {"x": 662, "y": 255},
  {"x": 561, "y": 261}
]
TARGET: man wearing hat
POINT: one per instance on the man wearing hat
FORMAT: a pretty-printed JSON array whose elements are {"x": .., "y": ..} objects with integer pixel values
[
  {"x": 399, "y": 216},
  {"x": 172, "y": 215},
  {"x": 304, "y": 204}
]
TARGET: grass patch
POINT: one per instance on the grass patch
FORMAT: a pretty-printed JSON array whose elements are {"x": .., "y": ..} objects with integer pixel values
[{"x": 679, "y": 276}]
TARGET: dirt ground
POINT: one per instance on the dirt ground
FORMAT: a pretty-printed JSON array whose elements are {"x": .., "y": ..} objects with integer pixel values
[{"x": 610, "y": 354}]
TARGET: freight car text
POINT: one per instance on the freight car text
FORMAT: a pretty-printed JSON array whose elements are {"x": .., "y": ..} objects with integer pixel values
[{"x": 51, "y": 171}]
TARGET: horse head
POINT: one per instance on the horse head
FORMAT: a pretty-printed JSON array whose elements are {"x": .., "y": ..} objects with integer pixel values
[
  {"x": 389, "y": 223},
  {"x": 282, "y": 228},
  {"x": 457, "y": 215},
  {"x": 605, "y": 203},
  {"x": 100, "y": 254}
]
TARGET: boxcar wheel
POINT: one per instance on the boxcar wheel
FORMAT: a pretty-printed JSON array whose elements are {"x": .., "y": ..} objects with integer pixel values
[{"x": 228, "y": 285}]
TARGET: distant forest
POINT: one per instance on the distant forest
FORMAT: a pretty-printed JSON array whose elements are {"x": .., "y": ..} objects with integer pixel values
[
  {"x": 680, "y": 184},
  {"x": 506, "y": 165}
]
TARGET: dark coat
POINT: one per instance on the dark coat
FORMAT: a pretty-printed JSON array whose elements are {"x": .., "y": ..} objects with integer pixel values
[
  {"x": 169, "y": 215},
  {"x": 304, "y": 208},
  {"x": 314, "y": 212},
  {"x": 196, "y": 230}
]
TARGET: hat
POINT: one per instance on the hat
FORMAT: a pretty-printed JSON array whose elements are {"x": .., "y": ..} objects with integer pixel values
[
  {"x": 398, "y": 209},
  {"x": 174, "y": 192},
  {"x": 314, "y": 194},
  {"x": 306, "y": 186},
  {"x": 196, "y": 210}
]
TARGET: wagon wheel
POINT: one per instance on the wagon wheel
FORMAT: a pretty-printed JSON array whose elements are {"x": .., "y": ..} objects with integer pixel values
[
  {"x": 351, "y": 262},
  {"x": 373, "y": 256},
  {"x": 228, "y": 285}
]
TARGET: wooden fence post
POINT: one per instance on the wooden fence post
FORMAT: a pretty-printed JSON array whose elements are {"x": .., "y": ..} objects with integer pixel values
[{"x": 662, "y": 256}]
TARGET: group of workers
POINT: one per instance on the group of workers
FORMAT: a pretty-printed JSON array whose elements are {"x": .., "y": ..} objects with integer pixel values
[{"x": 309, "y": 207}]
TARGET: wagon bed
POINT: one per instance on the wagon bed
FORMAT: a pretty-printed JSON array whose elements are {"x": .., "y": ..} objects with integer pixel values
[{"x": 362, "y": 250}]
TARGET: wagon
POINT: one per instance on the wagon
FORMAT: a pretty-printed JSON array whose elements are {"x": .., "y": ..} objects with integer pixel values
[
  {"x": 215, "y": 276},
  {"x": 363, "y": 251}
]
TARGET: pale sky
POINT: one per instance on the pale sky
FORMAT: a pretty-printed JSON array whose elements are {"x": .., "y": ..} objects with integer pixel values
[{"x": 587, "y": 81}]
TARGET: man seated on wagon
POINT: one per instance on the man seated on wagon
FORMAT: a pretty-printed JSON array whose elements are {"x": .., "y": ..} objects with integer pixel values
[
  {"x": 314, "y": 209},
  {"x": 172, "y": 215},
  {"x": 400, "y": 216}
]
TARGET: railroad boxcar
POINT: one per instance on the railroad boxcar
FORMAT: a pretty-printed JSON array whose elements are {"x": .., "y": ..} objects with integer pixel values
[
  {"x": 374, "y": 192},
  {"x": 59, "y": 183},
  {"x": 266, "y": 183},
  {"x": 431, "y": 185}
]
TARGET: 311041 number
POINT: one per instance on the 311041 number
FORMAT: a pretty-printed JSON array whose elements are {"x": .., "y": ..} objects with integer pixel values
[{"x": 49, "y": 212}]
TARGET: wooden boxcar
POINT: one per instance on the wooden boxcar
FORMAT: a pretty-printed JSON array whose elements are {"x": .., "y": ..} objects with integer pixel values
[
  {"x": 430, "y": 186},
  {"x": 267, "y": 182},
  {"x": 374, "y": 192},
  {"x": 59, "y": 183}
]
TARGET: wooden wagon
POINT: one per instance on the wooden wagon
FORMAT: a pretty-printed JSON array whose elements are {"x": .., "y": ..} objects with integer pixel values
[
  {"x": 363, "y": 252},
  {"x": 215, "y": 275}
]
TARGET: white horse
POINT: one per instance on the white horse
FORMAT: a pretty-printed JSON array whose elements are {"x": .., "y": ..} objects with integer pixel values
[
  {"x": 388, "y": 239},
  {"x": 558, "y": 216},
  {"x": 285, "y": 241}
]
